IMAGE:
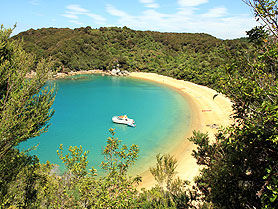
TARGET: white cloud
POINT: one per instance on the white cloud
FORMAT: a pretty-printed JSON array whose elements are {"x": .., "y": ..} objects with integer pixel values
[
  {"x": 185, "y": 12},
  {"x": 234, "y": 27},
  {"x": 75, "y": 8},
  {"x": 216, "y": 21},
  {"x": 115, "y": 12},
  {"x": 146, "y": 1},
  {"x": 150, "y": 4},
  {"x": 191, "y": 3},
  {"x": 71, "y": 16},
  {"x": 154, "y": 6},
  {"x": 74, "y": 11},
  {"x": 76, "y": 22},
  {"x": 99, "y": 19},
  {"x": 35, "y": 2},
  {"x": 216, "y": 12}
]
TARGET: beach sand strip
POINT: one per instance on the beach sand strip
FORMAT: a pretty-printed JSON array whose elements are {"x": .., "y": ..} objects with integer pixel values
[{"x": 208, "y": 114}]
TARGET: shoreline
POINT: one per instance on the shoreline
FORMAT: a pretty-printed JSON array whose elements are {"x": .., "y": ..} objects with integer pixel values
[
  {"x": 207, "y": 115},
  {"x": 62, "y": 75}
]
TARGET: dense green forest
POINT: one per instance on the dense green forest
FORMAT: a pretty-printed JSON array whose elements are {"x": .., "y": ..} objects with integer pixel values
[
  {"x": 239, "y": 169},
  {"x": 195, "y": 57}
]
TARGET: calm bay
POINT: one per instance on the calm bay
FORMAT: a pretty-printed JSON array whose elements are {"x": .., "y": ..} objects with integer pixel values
[{"x": 84, "y": 107}]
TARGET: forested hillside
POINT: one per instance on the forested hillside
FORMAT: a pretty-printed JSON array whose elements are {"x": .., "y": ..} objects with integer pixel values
[
  {"x": 239, "y": 169},
  {"x": 195, "y": 57}
]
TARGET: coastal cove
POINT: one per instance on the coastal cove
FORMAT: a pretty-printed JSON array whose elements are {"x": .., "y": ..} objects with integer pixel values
[
  {"x": 85, "y": 105},
  {"x": 207, "y": 115},
  {"x": 131, "y": 115},
  {"x": 195, "y": 110}
]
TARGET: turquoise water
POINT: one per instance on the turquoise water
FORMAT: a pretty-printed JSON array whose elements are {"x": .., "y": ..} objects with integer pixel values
[{"x": 84, "y": 107}]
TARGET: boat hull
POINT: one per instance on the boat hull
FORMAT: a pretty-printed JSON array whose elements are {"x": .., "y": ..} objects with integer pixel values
[{"x": 126, "y": 121}]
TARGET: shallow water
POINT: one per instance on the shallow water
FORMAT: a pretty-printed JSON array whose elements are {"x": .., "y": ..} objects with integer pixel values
[{"x": 84, "y": 107}]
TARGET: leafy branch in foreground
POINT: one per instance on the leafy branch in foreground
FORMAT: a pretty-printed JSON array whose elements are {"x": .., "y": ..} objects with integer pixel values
[
  {"x": 118, "y": 158},
  {"x": 25, "y": 104},
  {"x": 170, "y": 191},
  {"x": 239, "y": 170},
  {"x": 164, "y": 171},
  {"x": 79, "y": 188},
  {"x": 267, "y": 12},
  {"x": 25, "y": 110}
]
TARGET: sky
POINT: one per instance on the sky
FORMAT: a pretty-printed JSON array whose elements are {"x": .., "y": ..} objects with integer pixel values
[{"x": 225, "y": 19}]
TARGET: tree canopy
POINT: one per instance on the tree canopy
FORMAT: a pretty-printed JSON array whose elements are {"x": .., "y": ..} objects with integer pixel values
[
  {"x": 240, "y": 170},
  {"x": 25, "y": 110},
  {"x": 196, "y": 57}
]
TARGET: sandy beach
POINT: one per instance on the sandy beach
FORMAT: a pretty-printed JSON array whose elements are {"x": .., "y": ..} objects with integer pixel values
[{"x": 208, "y": 115}]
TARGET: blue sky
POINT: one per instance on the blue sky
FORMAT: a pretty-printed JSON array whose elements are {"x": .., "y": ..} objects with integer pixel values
[{"x": 226, "y": 19}]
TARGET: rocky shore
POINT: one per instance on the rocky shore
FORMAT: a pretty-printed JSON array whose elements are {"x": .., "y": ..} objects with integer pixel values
[{"x": 114, "y": 72}]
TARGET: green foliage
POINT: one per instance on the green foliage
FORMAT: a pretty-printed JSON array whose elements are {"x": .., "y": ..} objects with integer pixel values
[
  {"x": 79, "y": 188},
  {"x": 25, "y": 104},
  {"x": 267, "y": 12},
  {"x": 116, "y": 189},
  {"x": 194, "y": 57},
  {"x": 17, "y": 179},
  {"x": 25, "y": 109},
  {"x": 240, "y": 168},
  {"x": 257, "y": 35},
  {"x": 170, "y": 191},
  {"x": 237, "y": 165},
  {"x": 164, "y": 171},
  {"x": 75, "y": 161},
  {"x": 118, "y": 158},
  {"x": 224, "y": 179}
]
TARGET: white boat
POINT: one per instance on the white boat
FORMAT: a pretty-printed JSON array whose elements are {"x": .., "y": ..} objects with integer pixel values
[{"x": 123, "y": 119}]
